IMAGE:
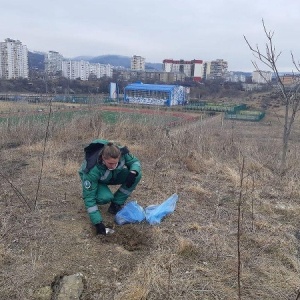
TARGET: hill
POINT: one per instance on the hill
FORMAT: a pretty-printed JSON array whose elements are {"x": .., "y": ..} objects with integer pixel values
[
  {"x": 114, "y": 60},
  {"x": 37, "y": 61},
  {"x": 121, "y": 61}
]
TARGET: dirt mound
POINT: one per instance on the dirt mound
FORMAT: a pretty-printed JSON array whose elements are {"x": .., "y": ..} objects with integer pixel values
[{"x": 131, "y": 237}]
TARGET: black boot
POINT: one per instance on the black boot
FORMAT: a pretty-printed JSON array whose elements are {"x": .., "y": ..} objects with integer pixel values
[{"x": 114, "y": 208}]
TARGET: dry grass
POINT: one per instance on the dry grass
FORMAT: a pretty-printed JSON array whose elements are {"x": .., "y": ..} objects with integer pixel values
[
  {"x": 192, "y": 254},
  {"x": 22, "y": 106}
]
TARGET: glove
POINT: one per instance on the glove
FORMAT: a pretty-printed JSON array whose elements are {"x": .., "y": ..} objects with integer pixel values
[
  {"x": 130, "y": 179},
  {"x": 100, "y": 228}
]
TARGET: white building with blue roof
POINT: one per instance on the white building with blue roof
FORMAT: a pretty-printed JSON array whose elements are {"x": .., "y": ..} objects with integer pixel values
[{"x": 155, "y": 94}]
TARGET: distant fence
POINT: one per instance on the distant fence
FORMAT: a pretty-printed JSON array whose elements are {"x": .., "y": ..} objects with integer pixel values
[
  {"x": 232, "y": 111},
  {"x": 215, "y": 107},
  {"x": 246, "y": 115},
  {"x": 40, "y": 98}
]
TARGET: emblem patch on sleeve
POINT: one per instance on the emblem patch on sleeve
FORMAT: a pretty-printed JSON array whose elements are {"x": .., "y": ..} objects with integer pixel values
[{"x": 87, "y": 184}]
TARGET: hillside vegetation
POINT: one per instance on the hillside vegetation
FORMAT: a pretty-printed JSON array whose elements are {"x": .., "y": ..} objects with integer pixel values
[{"x": 217, "y": 167}]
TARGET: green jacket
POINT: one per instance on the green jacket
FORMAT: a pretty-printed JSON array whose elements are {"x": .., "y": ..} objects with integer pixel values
[{"x": 92, "y": 172}]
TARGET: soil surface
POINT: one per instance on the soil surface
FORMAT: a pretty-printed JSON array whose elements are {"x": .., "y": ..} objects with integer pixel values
[{"x": 46, "y": 233}]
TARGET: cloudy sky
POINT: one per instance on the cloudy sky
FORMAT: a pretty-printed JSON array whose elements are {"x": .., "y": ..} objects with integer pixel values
[{"x": 155, "y": 29}]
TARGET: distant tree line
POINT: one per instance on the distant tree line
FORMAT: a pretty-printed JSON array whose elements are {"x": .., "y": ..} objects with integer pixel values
[{"x": 62, "y": 85}]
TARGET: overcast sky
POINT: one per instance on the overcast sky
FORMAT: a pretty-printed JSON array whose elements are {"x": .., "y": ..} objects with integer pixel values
[{"x": 155, "y": 29}]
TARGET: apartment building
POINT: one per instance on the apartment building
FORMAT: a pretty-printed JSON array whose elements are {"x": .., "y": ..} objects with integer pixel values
[
  {"x": 101, "y": 70},
  {"x": 53, "y": 62},
  {"x": 13, "y": 59},
  {"x": 192, "y": 68},
  {"x": 290, "y": 79},
  {"x": 138, "y": 63},
  {"x": 216, "y": 69},
  {"x": 261, "y": 76},
  {"x": 73, "y": 69}
]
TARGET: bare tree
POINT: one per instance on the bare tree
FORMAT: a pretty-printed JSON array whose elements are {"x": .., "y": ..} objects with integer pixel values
[{"x": 289, "y": 95}]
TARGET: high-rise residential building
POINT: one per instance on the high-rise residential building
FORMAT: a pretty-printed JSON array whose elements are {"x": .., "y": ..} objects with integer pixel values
[
  {"x": 137, "y": 63},
  {"x": 216, "y": 69},
  {"x": 101, "y": 70},
  {"x": 73, "y": 69},
  {"x": 13, "y": 59},
  {"x": 192, "y": 68},
  {"x": 53, "y": 62}
]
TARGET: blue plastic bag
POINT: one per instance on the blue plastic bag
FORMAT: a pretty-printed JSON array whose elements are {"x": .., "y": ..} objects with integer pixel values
[
  {"x": 130, "y": 213},
  {"x": 155, "y": 213}
]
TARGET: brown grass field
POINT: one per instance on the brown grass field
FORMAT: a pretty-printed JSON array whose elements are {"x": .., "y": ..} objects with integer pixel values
[{"x": 45, "y": 231}]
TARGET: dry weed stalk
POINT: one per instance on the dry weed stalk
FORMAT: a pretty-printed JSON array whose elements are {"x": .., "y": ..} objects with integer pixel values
[
  {"x": 239, "y": 233},
  {"x": 169, "y": 280},
  {"x": 19, "y": 194},
  {"x": 43, "y": 155}
]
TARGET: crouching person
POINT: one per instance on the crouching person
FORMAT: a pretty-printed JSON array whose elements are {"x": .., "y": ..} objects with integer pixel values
[{"x": 107, "y": 164}]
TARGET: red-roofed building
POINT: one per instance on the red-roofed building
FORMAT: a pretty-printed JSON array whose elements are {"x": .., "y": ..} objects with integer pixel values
[{"x": 192, "y": 68}]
